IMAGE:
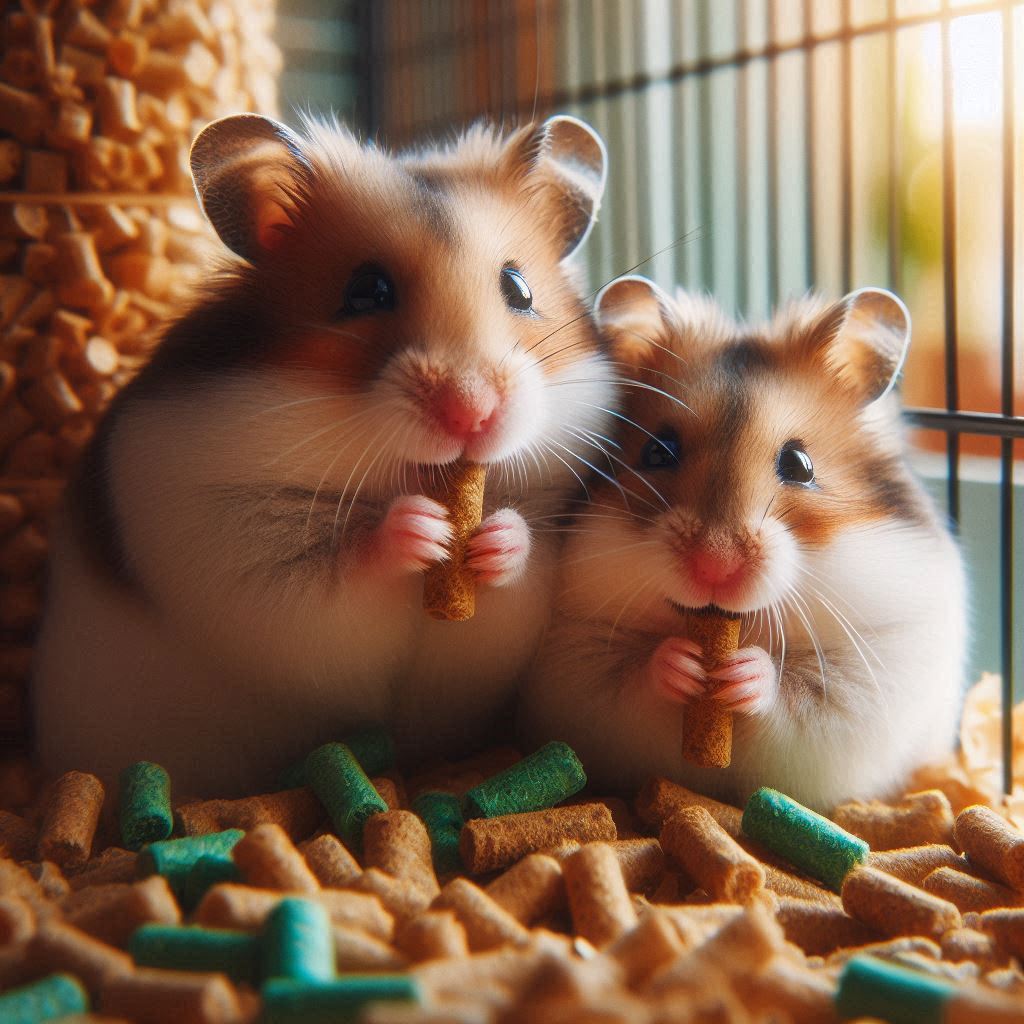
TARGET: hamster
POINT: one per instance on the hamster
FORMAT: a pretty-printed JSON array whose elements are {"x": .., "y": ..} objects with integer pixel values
[
  {"x": 236, "y": 576},
  {"x": 762, "y": 471}
]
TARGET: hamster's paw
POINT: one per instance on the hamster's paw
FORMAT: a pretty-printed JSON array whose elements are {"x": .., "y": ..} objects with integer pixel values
[
  {"x": 675, "y": 671},
  {"x": 415, "y": 533},
  {"x": 498, "y": 551},
  {"x": 749, "y": 681}
]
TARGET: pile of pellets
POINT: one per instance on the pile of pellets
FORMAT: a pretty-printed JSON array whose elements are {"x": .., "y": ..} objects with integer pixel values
[
  {"x": 100, "y": 236},
  {"x": 498, "y": 890}
]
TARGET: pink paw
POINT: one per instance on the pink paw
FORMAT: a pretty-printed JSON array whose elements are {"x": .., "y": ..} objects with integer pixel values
[
  {"x": 748, "y": 681},
  {"x": 415, "y": 534},
  {"x": 675, "y": 671},
  {"x": 499, "y": 549}
]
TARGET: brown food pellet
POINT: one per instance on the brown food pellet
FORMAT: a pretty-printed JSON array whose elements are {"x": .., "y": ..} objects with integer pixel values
[
  {"x": 433, "y": 935},
  {"x": 267, "y": 859},
  {"x": 17, "y": 920},
  {"x": 710, "y": 856},
  {"x": 401, "y": 901},
  {"x": 967, "y": 891},
  {"x": 660, "y": 798},
  {"x": 819, "y": 929},
  {"x": 449, "y": 588},
  {"x": 643, "y": 950},
  {"x": 70, "y": 819},
  {"x": 1006, "y": 926},
  {"x": 112, "y": 912},
  {"x": 916, "y": 820},
  {"x": 61, "y": 947},
  {"x": 487, "y": 925},
  {"x": 893, "y": 907},
  {"x": 17, "y": 837},
  {"x": 916, "y": 863},
  {"x": 112, "y": 865},
  {"x": 598, "y": 899},
  {"x": 532, "y": 889},
  {"x": 490, "y": 844},
  {"x": 974, "y": 945},
  {"x": 171, "y": 997},
  {"x": 297, "y": 811},
  {"x": 355, "y": 951},
  {"x": 330, "y": 860},
  {"x": 397, "y": 842},
  {"x": 707, "y": 726},
  {"x": 991, "y": 841}
]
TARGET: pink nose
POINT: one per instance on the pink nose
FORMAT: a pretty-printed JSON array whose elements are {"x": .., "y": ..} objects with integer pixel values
[
  {"x": 715, "y": 568},
  {"x": 467, "y": 409}
]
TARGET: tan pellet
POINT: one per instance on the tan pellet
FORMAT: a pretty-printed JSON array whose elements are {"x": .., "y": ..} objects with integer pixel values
[
  {"x": 968, "y": 892},
  {"x": 916, "y": 820},
  {"x": 112, "y": 865},
  {"x": 329, "y": 859},
  {"x": 267, "y": 859},
  {"x": 433, "y": 935},
  {"x": 245, "y": 908},
  {"x": 1005, "y": 926},
  {"x": 784, "y": 883},
  {"x": 487, "y": 924},
  {"x": 990, "y": 840},
  {"x": 659, "y": 799},
  {"x": 647, "y": 947},
  {"x": 297, "y": 811},
  {"x": 915, "y": 863},
  {"x": 112, "y": 912},
  {"x": 531, "y": 889},
  {"x": 70, "y": 820},
  {"x": 598, "y": 899},
  {"x": 893, "y": 907},
  {"x": 490, "y": 844},
  {"x": 61, "y": 947},
  {"x": 171, "y": 997},
  {"x": 397, "y": 842},
  {"x": 17, "y": 920},
  {"x": 355, "y": 951},
  {"x": 819, "y": 929},
  {"x": 710, "y": 856},
  {"x": 974, "y": 945},
  {"x": 790, "y": 989},
  {"x": 402, "y": 901},
  {"x": 17, "y": 837}
]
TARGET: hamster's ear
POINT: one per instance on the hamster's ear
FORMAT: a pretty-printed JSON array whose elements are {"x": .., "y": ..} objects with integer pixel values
[
  {"x": 246, "y": 170},
  {"x": 571, "y": 158},
  {"x": 864, "y": 338},
  {"x": 631, "y": 314}
]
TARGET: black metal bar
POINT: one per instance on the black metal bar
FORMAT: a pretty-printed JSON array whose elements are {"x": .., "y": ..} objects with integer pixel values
[
  {"x": 772, "y": 161},
  {"x": 810, "y": 163},
  {"x": 895, "y": 250},
  {"x": 845, "y": 157},
  {"x": 949, "y": 270},
  {"x": 1006, "y": 446},
  {"x": 988, "y": 424},
  {"x": 742, "y": 161}
]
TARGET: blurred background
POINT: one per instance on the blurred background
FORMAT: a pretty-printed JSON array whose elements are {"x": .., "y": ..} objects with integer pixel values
[{"x": 759, "y": 149}]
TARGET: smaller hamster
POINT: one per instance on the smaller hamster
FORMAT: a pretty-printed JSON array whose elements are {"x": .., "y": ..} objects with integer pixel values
[{"x": 763, "y": 472}]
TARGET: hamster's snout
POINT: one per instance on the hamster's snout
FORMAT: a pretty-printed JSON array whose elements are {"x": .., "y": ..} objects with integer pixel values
[
  {"x": 465, "y": 407},
  {"x": 716, "y": 566}
]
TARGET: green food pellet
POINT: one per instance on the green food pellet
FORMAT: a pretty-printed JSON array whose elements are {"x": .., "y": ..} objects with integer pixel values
[
  {"x": 175, "y": 858},
  {"x": 57, "y": 995},
  {"x": 235, "y": 954},
  {"x": 869, "y": 987},
  {"x": 442, "y": 815},
  {"x": 337, "y": 778},
  {"x": 145, "y": 804},
  {"x": 373, "y": 748},
  {"x": 207, "y": 872},
  {"x": 543, "y": 779},
  {"x": 298, "y": 942},
  {"x": 294, "y": 1002},
  {"x": 814, "y": 844}
]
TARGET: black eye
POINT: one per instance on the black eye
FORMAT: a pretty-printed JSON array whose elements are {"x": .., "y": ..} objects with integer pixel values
[
  {"x": 516, "y": 291},
  {"x": 794, "y": 465},
  {"x": 368, "y": 292},
  {"x": 661, "y": 451}
]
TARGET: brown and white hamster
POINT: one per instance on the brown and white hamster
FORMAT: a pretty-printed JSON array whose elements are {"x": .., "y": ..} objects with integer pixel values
[
  {"x": 237, "y": 577},
  {"x": 762, "y": 471}
]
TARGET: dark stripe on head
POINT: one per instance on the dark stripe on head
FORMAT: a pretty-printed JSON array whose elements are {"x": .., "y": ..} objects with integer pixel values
[
  {"x": 736, "y": 364},
  {"x": 432, "y": 202}
]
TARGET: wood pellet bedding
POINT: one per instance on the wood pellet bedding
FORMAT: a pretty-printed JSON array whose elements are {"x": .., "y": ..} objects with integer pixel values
[{"x": 369, "y": 895}]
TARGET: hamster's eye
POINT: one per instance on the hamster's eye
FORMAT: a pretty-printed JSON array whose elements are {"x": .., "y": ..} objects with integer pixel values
[
  {"x": 516, "y": 291},
  {"x": 368, "y": 292},
  {"x": 794, "y": 465},
  {"x": 661, "y": 451}
]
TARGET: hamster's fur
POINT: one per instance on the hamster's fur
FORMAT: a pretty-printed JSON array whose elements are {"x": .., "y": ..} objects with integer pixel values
[
  {"x": 852, "y": 589},
  {"x": 236, "y": 574}
]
